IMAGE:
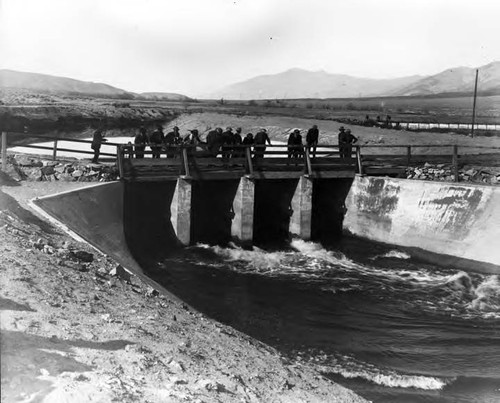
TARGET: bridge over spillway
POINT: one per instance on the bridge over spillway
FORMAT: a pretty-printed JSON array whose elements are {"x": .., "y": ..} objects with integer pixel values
[{"x": 245, "y": 192}]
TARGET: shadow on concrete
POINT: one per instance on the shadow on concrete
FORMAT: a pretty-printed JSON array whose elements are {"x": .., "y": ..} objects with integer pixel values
[
  {"x": 26, "y": 356},
  {"x": 8, "y": 203}
]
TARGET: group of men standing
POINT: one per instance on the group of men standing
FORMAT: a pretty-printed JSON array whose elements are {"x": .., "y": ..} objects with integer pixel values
[
  {"x": 224, "y": 142},
  {"x": 158, "y": 141},
  {"x": 345, "y": 140}
]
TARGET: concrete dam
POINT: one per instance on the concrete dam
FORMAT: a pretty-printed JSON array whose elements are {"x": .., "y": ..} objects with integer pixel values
[{"x": 131, "y": 221}]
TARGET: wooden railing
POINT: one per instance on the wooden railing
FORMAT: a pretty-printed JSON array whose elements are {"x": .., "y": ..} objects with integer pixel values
[
  {"x": 275, "y": 160},
  {"x": 270, "y": 161}
]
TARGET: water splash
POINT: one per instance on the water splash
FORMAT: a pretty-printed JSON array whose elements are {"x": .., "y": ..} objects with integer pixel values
[
  {"x": 395, "y": 254},
  {"x": 487, "y": 296},
  {"x": 349, "y": 368}
]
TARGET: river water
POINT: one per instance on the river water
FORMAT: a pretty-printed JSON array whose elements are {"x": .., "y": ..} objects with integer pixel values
[{"x": 371, "y": 317}]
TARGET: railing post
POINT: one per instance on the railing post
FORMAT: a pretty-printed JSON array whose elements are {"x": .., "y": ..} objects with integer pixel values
[
  {"x": 248, "y": 154},
  {"x": 358, "y": 158},
  {"x": 119, "y": 160},
  {"x": 186, "y": 162},
  {"x": 4, "y": 151},
  {"x": 455, "y": 163},
  {"x": 308, "y": 162},
  {"x": 54, "y": 151},
  {"x": 408, "y": 156}
]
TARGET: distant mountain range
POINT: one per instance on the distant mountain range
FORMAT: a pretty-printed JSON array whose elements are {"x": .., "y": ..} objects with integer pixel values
[
  {"x": 291, "y": 84},
  {"x": 298, "y": 83},
  {"x": 68, "y": 86}
]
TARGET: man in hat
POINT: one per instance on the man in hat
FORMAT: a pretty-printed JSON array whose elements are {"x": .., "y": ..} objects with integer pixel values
[
  {"x": 214, "y": 141},
  {"x": 156, "y": 141},
  {"x": 140, "y": 141},
  {"x": 172, "y": 139},
  {"x": 260, "y": 140},
  {"x": 236, "y": 141},
  {"x": 97, "y": 140},
  {"x": 294, "y": 144},
  {"x": 342, "y": 138},
  {"x": 312, "y": 139}
]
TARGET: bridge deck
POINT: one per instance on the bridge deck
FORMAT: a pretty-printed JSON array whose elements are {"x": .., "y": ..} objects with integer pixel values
[{"x": 275, "y": 163}]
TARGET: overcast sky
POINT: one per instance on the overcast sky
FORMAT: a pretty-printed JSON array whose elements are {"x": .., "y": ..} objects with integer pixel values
[{"x": 195, "y": 46}]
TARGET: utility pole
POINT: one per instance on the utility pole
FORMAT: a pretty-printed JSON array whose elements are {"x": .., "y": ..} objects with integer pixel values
[{"x": 474, "y": 105}]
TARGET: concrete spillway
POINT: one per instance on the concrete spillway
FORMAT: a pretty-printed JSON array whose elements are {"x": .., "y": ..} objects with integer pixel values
[{"x": 135, "y": 222}]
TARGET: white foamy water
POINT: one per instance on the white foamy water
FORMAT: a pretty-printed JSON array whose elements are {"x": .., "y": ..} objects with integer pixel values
[
  {"x": 395, "y": 254},
  {"x": 350, "y": 368},
  {"x": 455, "y": 293}
]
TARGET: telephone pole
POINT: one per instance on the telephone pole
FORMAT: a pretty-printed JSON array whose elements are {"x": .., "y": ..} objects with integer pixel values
[{"x": 474, "y": 105}]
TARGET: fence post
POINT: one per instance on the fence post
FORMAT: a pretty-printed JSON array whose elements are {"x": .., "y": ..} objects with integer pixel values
[
  {"x": 358, "y": 158},
  {"x": 186, "y": 163},
  {"x": 248, "y": 154},
  {"x": 54, "y": 151},
  {"x": 308, "y": 162},
  {"x": 119, "y": 160},
  {"x": 4, "y": 151},
  {"x": 408, "y": 156},
  {"x": 455, "y": 163}
]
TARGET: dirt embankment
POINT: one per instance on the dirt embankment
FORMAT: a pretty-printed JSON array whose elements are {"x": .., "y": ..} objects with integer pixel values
[
  {"x": 78, "y": 116},
  {"x": 75, "y": 327}
]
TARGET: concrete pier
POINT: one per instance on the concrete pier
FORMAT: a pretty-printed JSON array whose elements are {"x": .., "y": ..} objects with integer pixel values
[
  {"x": 180, "y": 211},
  {"x": 301, "y": 217},
  {"x": 243, "y": 209}
]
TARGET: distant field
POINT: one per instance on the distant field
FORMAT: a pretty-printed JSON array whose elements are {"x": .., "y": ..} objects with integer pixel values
[
  {"x": 30, "y": 107},
  {"x": 404, "y": 109}
]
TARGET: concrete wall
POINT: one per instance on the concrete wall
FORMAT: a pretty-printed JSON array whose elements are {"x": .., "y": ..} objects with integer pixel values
[
  {"x": 99, "y": 215},
  {"x": 457, "y": 220}
]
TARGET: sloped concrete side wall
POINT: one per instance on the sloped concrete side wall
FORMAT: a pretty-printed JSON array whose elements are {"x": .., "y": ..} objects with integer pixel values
[
  {"x": 460, "y": 220},
  {"x": 95, "y": 213}
]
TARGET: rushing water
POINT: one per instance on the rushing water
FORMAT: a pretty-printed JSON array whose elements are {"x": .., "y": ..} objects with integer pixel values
[{"x": 386, "y": 325}]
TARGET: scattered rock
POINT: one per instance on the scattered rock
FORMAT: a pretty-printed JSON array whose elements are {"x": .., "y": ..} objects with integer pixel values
[
  {"x": 151, "y": 292},
  {"x": 176, "y": 366},
  {"x": 48, "y": 170},
  {"x": 121, "y": 273},
  {"x": 77, "y": 173},
  {"x": 81, "y": 255}
]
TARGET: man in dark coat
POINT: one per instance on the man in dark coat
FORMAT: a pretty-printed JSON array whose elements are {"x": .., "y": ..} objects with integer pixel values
[
  {"x": 156, "y": 141},
  {"x": 140, "y": 141},
  {"x": 214, "y": 141},
  {"x": 342, "y": 138},
  {"x": 294, "y": 144},
  {"x": 312, "y": 140},
  {"x": 171, "y": 139},
  {"x": 237, "y": 140},
  {"x": 97, "y": 140},
  {"x": 227, "y": 146},
  {"x": 260, "y": 140}
]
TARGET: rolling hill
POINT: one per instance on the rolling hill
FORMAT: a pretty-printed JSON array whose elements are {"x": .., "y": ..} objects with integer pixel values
[
  {"x": 456, "y": 80},
  {"x": 58, "y": 85},
  {"x": 44, "y": 83},
  {"x": 298, "y": 83}
]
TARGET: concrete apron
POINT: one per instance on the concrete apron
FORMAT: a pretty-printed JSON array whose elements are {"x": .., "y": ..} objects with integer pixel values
[{"x": 459, "y": 224}]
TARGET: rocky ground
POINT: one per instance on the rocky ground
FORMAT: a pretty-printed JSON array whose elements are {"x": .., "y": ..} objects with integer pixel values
[
  {"x": 444, "y": 172},
  {"x": 34, "y": 168},
  {"x": 77, "y": 328}
]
